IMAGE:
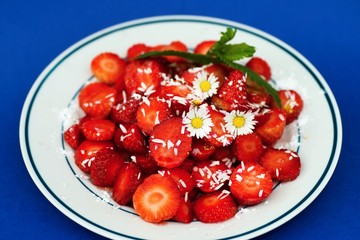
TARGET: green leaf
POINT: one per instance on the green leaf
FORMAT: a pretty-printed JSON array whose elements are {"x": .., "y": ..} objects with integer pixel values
[
  {"x": 225, "y": 37},
  {"x": 234, "y": 52}
]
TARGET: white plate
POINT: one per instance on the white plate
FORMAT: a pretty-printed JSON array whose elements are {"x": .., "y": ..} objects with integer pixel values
[{"x": 317, "y": 135}]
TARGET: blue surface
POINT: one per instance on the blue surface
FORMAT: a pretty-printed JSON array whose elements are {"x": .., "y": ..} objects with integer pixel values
[{"x": 34, "y": 32}]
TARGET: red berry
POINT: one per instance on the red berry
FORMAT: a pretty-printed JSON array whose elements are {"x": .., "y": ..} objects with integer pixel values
[
  {"x": 130, "y": 138},
  {"x": 98, "y": 129},
  {"x": 108, "y": 67},
  {"x": 182, "y": 178},
  {"x": 291, "y": 103},
  {"x": 73, "y": 136},
  {"x": 273, "y": 128},
  {"x": 136, "y": 50},
  {"x": 260, "y": 66},
  {"x": 201, "y": 150},
  {"x": 185, "y": 213},
  {"x": 204, "y": 47},
  {"x": 248, "y": 148}
]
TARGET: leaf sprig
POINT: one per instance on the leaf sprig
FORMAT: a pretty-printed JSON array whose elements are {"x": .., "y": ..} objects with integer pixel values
[{"x": 222, "y": 53}]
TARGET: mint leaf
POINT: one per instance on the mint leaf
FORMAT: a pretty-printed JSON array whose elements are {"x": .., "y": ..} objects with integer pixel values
[
  {"x": 234, "y": 52},
  {"x": 225, "y": 37}
]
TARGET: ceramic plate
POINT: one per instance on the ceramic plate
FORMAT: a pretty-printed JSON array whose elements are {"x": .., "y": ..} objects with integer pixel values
[{"x": 51, "y": 106}]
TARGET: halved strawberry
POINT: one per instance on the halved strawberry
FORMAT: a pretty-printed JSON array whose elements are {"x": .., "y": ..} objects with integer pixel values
[
  {"x": 108, "y": 67},
  {"x": 97, "y": 99},
  {"x": 136, "y": 50},
  {"x": 218, "y": 135},
  {"x": 125, "y": 112},
  {"x": 201, "y": 150},
  {"x": 204, "y": 46},
  {"x": 105, "y": 167},
  {"x": 169, "y": 143},
  {"x": 185, "y": 213},
  {"x": 151, "y": 112},
  {"x": 214, "y": 207},
  {"x": 211, "y": 176},
  {"x": 273, "y": 128},
  {"x": 188, "y": 164},
  {"x": 225, "y": 155},
  {"x": 128, "y": 179},
  {"x": 291, "y": 103},
  {"x": 182, "y": 178},
  {"x": 140, "y": 75},
  {"x": 84, "y": 154},
  {"x": 73, "y": 136},
  {"x": 147, "y": 165},
  {"x": 98, "y": 129},
  {"x": 157, "y": 198},
  {"x": 250, "y": 184},
  {"x": 260, "y": 98},
  {"x": 248, "y": 148},
  {"x": 176, "y": 46},
  {"x": 130, "y": 138},
  {"x": 282, "y": 164},
  {"x": 219, "y": 71},
  {"x": 260, "y": 66}
]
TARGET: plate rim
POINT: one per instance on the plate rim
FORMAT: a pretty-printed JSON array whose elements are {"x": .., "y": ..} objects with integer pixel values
[{"x": 69, "y": 212}]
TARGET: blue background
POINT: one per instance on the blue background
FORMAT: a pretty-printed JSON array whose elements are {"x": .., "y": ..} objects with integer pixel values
[{"x": 33, "y": 33}]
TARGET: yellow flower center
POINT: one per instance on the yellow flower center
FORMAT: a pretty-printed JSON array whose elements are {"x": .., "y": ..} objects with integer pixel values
[
  {"x": 239, "y": 121},
  {"x": 205, "y": 86},
  {"x": 197, "y": 122}
]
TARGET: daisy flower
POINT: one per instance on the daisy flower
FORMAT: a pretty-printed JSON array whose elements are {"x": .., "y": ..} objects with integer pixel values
[
  {"x": 198, "y": 121},
  {"x": 204, "y": 85},
  {"x": 239, "y": 123}
]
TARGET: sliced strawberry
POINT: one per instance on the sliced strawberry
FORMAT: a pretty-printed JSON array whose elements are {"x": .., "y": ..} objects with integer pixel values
[
  {"x": 176, "y": 46},
  {"x": 219, "y": 71},
  {"x": 185, "y": 213},
  {"x": 105, "y": 167},
  {"x": 204, "y": 47},
  {"x": 211, "y": 176},
  {"x": 225, "y": 155},
  {"x": 98, "y": 129},
  {"x": 190, "y": 75},
  {"x": 151, "y": 112},
  {"x": 233, "y": 90},
  {"x": 201, "y": 150},
  {"x": 125, "y": 112},
  {"x": 169, "y": 143},
  {"x": 130, "y": 138},
  {"x": 248, "y": 148},
  {"x": 84, "y": 154},
  {"x": 140, "y": 75},
  {"x": 250, "y": 184},
  {"x": 218, "y": 135},
  {"x": 188, "y": 164},
  {"x": 73, "y": 136},
  {"x": 157, "y": 198},
  {"x": 259, "y": 98},
  {"x": 291, "y": 103},
  {"x": 97, "y": 99},
  {"x": 136, "y": 50},
  {"x": 147, "y": 165},
  {"x": 128, "y": 179},
  {"x": 260, "y": 66},
  {"x": 108, "y": 67},
  {"x": 215, "y": 207},
  {"x": 282, "y": 164},
  {"x": 272, "y": 130},
  {"x": 182, "y": 178}
]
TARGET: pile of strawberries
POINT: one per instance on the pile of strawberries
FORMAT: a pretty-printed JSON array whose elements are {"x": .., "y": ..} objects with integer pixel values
[{"x": 133, "y": 140}]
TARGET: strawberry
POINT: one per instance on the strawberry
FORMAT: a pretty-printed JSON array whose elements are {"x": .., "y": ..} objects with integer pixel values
[
  {"x": 225, "y": 155},
  {"x": 169, "y": 143},
  {"x": 84, "y": 154},
  {"x": 73, "y": 136},
  {"x": 128, "y": 179},
  {"x": 185, "y": 213},
  {"x": 257, "y": 97},
  {"x": 125, "y": 112},
  {"x": 214, "y": 207},
  {"x": 157, "y": 198},
  {"x": 247, "y": 148},
  {"x": 291, "y": 103},
  {"x": 250, "y": 184},
  {"x": 219, "y": 71},
  {"x": 105, "y": 167},
  {"x": 190, "y": 75},
  {"x": 140, "y": 75},
  {"x": 201, "y": 150},
  {"x": 130, "y": 138},
  {"x": 273, "y": 128},
  {"x": 188, "y": 164},
  {"x": 218, "y": 135},
  {"x": 136, "y": 50},
  {"x": 182, "y": 178},
  {"x": 98, "y": 129},
  {"x": 282, "y": 164},
  {"x": 151, "y": 112},
  {"x": 210, "y": 176},
  {"x": 204, "y": 47},
  {"x": 260, "y": 66},
  {"x": 108, "y": 67},
  {"x": 97, "y": 99},
  {"x": 147, "y": 165},
  {"x": 233, "y": 90},
  {"x": 176, "y": 46}
]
